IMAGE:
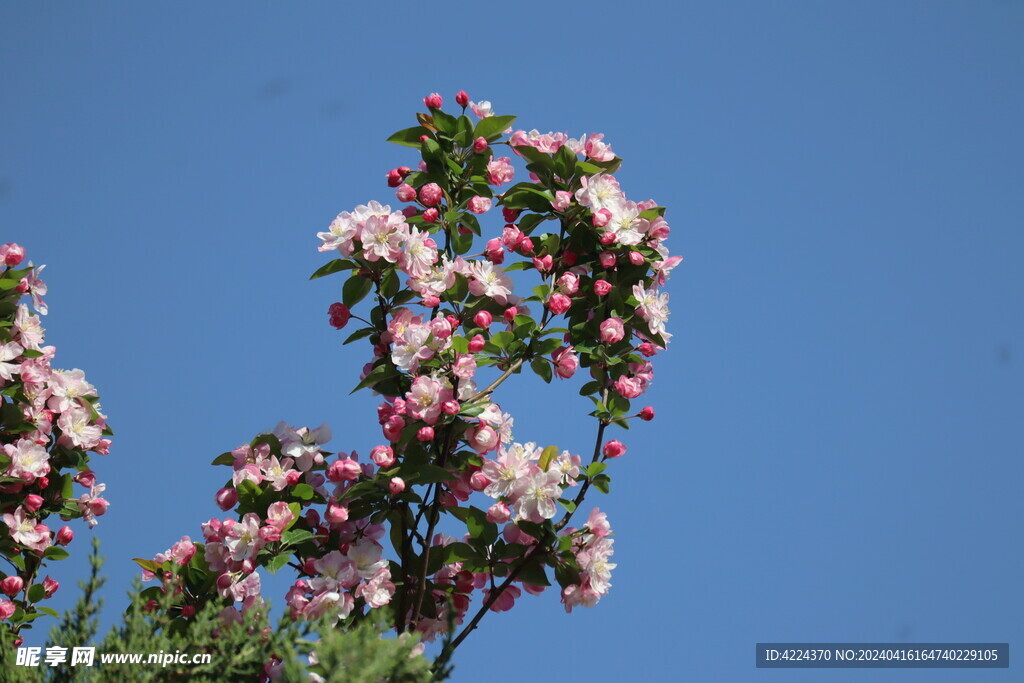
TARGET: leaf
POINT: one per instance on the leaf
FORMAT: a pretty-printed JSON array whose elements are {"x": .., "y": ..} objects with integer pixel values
[
  {"x": 277, "y": 562},
  {"x": 331, "y": 267},
  {"x": 380, "y": 373},
  {"x": 596, "y": 468},
  {"x": 356, "y": 287},
  {"x": 492, "y": 127},
  {"x": 359, "y": 334},
  {"x": 49, "y": 611},
  {"x": 444, "y": 122},
  {"x": 547, "y": 456},
  {"x": 222, "y": 459},
  {"x": 148, "y": 565},
  {"x": 543, "y": 369},
  {"x": 533, "y": 573},
  {"x": 36, "y": 593},
  {"x": 55, "y": 552},
  {"x": 567, "y": 504},
  {"x": 429, "y": 474},
  {"x": 502, "y": 339},
  {"x": 302, "y": 491},
  {"x": 409, "y": 137},
  {"x": 602, "y": 483},
  {"x": 459, "y": 552},
  {"x": 296, "y": 536}
]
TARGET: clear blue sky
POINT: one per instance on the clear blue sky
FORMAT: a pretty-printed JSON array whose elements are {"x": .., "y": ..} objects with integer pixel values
[{"x": 837, "y": 452}]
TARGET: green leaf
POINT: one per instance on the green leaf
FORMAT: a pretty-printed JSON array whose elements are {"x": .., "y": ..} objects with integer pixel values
[
  {"x": 543, "y": 369},
  {"x": 55, "y": 552},
  {"x": 36, "y": 593},
  {"x": 502, "y": 339},
  {"x": 356, "y": 287},
  {"x": 277, "y": 561},
  {"x": 602, "y": 483},
  {"x": 380, "y": 373},
  {"x": 334, "y": 266},
  {"x": 429, "y": 474},
  {"x": 492, "y": 127},
  {"x": 148, "y": 565},
  {"x": 565, "y": 162},
  {"x": 302, "y": 491},
  {"x": 462, "y": 243},
  {"x": 409, "y": 137},
  {"x": 296, "y": 536},
  {"x": 49, "y": 611},
  {"x": 444, "y": 122},
  {"x": 31, "y": 353},
  {"x": 533, "y": 573},
  {"x": 567, "y": 504},
  {"x": 8, "y": 284},
  {"x": 222, "y": 459},
  {"x": 596, "y": 468},
  {"x": 359, "y": 334},
  {"x": 459, "y": 552},
  {"x": 547, "y": 456}
]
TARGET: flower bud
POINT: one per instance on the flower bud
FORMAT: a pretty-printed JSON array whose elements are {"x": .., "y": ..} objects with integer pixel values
[
  {"x": 608, "y": 238},
  {"x": 433, "y": 101},
  {"x": 461, "y": 98},
  {"x": 226, "y": 498},
  {"x": 430, "y": 215},
  {"x": 607, "y": 259},
  {"x": 269, "y": 534},
  {"x": 510, "y": 314},
  {"x": 394, "y": 177},
  {"x": 602, "y": 287},
  {"x": 383, "y": 456},
  {"x": 543, "y": 263},
  {"x": 480, "y": 145},
  {"x": 614, "y": 449},
  {"x": 396, "y": 485},
  {"x": 50, "y": 586},
  {"x": 425, "y": 434},
  {"x": 406, "y": 193},
  {"x": 337, "y": 514},
  {"x": 559, "y": 303},
  {"x": 476, "y": 344},
  {"x": 339, "y": 315},
  {"x": 188, "y": 611},
  {"x": 601, "y": 218},
  {"x": 636, "y": 258},
  {"x": 647, "y": 414},
  {"x": 12, "y": 585},
  {"x": 479, "y": 481},
  {"x": 612, "y": 330},
  {"x": 479, "y": 205},
  {"x": 33, "y": 502},
  {"x": 526, "y": 246},
  {"x": 498, "y": 513},
  {"x": 393, "y": 428},
  {"x": 65, "y": 535},
  {"x": 431, "y": 194},
  {"x": 346, "y": 470},
  {"x": 510, "y": 215},
  {"x": 12, "y": 254}
]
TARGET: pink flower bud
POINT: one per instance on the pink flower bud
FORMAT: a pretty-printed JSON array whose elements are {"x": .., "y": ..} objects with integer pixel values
[
  {"x": 606, "y": 258},
  {"x": 480, "y": 145},
  {"x": 453, "y": 320},
  {"x": 510, "y": 215},
  {"x": 479, "y": 481},
  {"x": 493, "y": 251},
  {"x": 98, "y": 506},
  {"x": 566, "y": 362},
  {"x": 33, "y": 502},
  {"x": 608, "y": 238},
  {"x": 12, "y": 254},
  {"x": 569, "y": 283},
  {"x": 462, "y": 98},
  {"x": 188, "y": 611},
  {"x": 451, "y": 407},
  {"x": 647, "y": 349},
  {"x": 614, "y": 449},
  {"x": 292, "y": 477},
  {"x": 431, "y": 301},
  {"x": 270, "y": 534},
  {"x": 510, "y": 314},
  {"x": 562, "y": 200},
  {"x": 433, "y": 101},
  {"x": 50, "y": 586},
  {"x": 383, "y": 456},
  {"x": 612, "y": 330},
  {"x": 394, "y": 177},
  {"x": 337, "y": 514},
  {"x": 346, "y": 470},
  {"x": 396, "y": 485},
  {"x": 601, "y": 218},
  {"x": 226, "y": 498},
  {"x": 425, "y": 434},
  {"x": 498, "y": 513},
  {"x": 86, "y": 478},
  {"x": 602, "y": 287},
  {"x": 12, "y": 585},
  {"x": 482, "y": 438},
  {"x": 393, "y": 428},
  {"x": 430, "y": 215},
  {"x": 476, "y": 344},
  {"x": 406, "y": 193},
  {"x": 7, "y": 609},
  {"x": 43, "y": 482},
  {"x": 224, "y": 582},
  {"x": 543, "y": 264},
  {"x": 647, "y": 414},
  {"x": 526, "y": 246},
  {"x": 65, "y": 535},
  {"x": 483, "y": 319},
  {"x": 479, "y": 205},
  {"x": 511, "y": 237},
  {"x": 338, "y": 315},
  {"x": 559, "y": 303},
  {"x": 636, "y": 258},
  {"x": 431, "y": 194}
]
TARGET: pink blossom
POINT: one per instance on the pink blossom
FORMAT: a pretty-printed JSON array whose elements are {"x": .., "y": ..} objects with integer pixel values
[
  {"x": 606, "y": 258},
  {"x": 612, "y": 330},
  {"x": 500, "y": 171},
  {"x": 568, "y": 283},
  {"x": 226, "y": 498},
  {"x": 12, "y": 585},
  {"x": 405, "y": 193},
  {"x": 543, "y": 263},
  {"x": 602, "y": 287},
  {"x": 8, "y": 352},
  {"x": 536, "y": 495},
  {"x": 431, "y": 215},
  {"x": 336, "y": 514},
  {"x": 482, "y": 438},
  {"x": 597, "y": 150},
  {"x": 383, "y": 456},
  {"x": 483, "y": 319},
  {"x": 339, "y": 315},
  {"x": 345, "y": 469},
  {"x": 566, "y": 362},
  {"x": 481, "y": 109},
  {"x": 628, "y": 387},
  {"x": 65, "y": 535},
  {"x": 613, "y": 449},
  {"x": 562, "y": 200},
  {"x": 28, "y": 460},
  {"x": 425, "y": 398},
  {"x": 425, "y": 434},
  {"x": 480, "y": 145},
  {"x": 464, "y": 366},
  {"x": 647, "y": 414},
  {"x": 499, "y": 513},
  {"x": 26, "y": 530},
  {"x": 462, "y": 98},
  {"x": 652, "y": 307},
  {"x": 396, "y": 485},
  {"x": 485, "y": 280},
  {"x": 433, "y": 101},
  {"x": 431, "y": 194},
  {"x": 479, "y": 205},
  {"x": 7, "y": 609},
  {"x": 559, "y": 303},
  {"x": 476, "y": 344},
  {"x": 377, "y": 591},
  {"x": 393, "y": 428},
  {"x": 601, "y": 218},
  {"x": 12, "y": 254},
  {"x": 599, "y": 191}
]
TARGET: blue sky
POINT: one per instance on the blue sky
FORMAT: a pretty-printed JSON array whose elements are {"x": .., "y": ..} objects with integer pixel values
[{"x": 837, "y": 452}]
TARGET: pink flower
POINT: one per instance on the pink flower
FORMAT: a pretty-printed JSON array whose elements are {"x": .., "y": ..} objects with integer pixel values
[
  {"x": 65, "y": 535},
  {"x": 499, "y": 513},
  {"x": 465, "y": 366},
  {"x": 612, "y": 330},
  {"x": 383, "y": 456},
  {"x": 280, "y": 515},
  {"x": 12, "y": 585},
  {"x": 628, "y": 387},
  {"x": 482, "y": 438},
  {"x": 500, "y": 171},
  {"x": 601, "y": 218},
  {"x": 647, "y": 414},
  {"x": 425, "y": 434},
  {"x": 405, "y": 193},
  {"x": 433, "y": 101},
  {"x": 431, "y": 194},
  {"x": 393, "y": 428},
  {"x": 336, "y": 514},
  {"x": 481, "y": 109},
  {"x": 559, "y": 303},
  {"x": 182, "y": 551},
  {"x": 396, "y": 485},
  {"x": 339, "y": 315},
  {"x": 226, "y": 498},
  {"x": 483, "y": 319},
  {"x": 479, "y": 205},
  {"x": 566, "y": 362},
  {"x": 480, "y": 145},
  {"x": 12, "y": 254},
  {"x": 652, "y": 307},
  {"x": 461, "y": 98},
  {"x": 602, "y": 287},
  {"x": 562, "y": 200},
  {"x": 614, "y": 449},
  {"x": 424, "y": 400},
  {"x": 597, "y": 150},
  {"x": 7, "y": 609},
  {"x": 346, "y": 469},
  {"x": 606, "y": 258},
  {"x": 431, "y": 215},
  {"x": 544, "y": 263},
  {"x": 476, "y": 344},
  {"x": 536, "y": 495}
]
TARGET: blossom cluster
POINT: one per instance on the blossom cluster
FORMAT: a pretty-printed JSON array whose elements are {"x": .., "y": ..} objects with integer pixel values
[
  {"x": 51, "y": 422},
  {"x": 449, "y": 511}
]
